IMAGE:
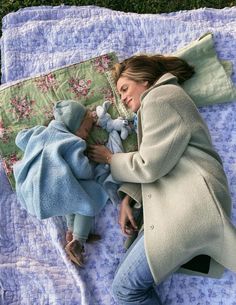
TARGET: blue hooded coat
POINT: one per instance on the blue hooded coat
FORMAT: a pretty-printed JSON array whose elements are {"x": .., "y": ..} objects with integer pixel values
[{"x": 55, "y": 178}]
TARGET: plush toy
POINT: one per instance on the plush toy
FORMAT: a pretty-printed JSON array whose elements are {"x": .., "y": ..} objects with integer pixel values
[
  {"x": 106, "y": 122},
  {"x": 118, "y": 129}
]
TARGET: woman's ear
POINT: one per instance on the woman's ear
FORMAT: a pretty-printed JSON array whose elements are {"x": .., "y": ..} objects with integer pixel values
[{"x": 145, "y": 83}]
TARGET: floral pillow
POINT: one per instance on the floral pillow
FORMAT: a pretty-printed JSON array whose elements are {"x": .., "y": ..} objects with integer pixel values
[{"x": 30, "y": 102}]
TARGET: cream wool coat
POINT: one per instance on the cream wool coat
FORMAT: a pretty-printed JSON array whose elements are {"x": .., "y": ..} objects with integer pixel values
[{"x": 180, "y": 180}]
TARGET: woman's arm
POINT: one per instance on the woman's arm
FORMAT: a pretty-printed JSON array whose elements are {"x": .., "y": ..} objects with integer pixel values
[
  {"x": 126, "y": 218},
  {"x": 165, "y": 137},
  {"x": 133, "y": 190}
]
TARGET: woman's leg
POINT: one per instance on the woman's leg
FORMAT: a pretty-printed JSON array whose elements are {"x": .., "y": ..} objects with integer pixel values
[{"x": 133, "y": 282}]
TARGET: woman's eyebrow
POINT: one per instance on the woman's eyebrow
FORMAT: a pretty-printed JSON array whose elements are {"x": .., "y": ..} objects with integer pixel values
[
  {"x": 119, "y": 89},
  {"x": 122, "y": 87}
]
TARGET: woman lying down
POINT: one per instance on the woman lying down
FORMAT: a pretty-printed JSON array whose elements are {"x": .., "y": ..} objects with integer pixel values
[{"x": 175, "y": 175}]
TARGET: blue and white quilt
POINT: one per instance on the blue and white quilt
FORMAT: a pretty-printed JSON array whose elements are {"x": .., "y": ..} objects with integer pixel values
[{"x": 34, "y": 268}]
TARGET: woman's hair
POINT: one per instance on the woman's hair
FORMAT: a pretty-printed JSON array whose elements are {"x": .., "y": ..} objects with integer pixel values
[{"x": 150, "y": 68}]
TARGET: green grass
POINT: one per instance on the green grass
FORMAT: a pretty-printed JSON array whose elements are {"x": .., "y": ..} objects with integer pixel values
[{"x": 145, "y": 6}]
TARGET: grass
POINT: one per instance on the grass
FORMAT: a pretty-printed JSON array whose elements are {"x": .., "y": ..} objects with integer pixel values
[{"x": 137, "y": 6}]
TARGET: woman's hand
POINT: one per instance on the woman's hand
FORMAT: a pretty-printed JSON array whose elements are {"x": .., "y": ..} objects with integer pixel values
[
  {"x": 126, "y": 218},
  {"x": 99, "y": 153}
]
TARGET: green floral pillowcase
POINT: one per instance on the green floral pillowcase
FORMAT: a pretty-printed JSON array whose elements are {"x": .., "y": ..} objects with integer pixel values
[{"x": 30, "y": 102}]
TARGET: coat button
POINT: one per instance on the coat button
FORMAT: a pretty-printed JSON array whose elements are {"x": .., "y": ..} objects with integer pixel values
[
  {"x": 149, "y": 196},
  {"x": 152, "y": 227}
]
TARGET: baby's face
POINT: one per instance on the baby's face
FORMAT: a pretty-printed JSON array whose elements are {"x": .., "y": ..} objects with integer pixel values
[{"x": 86, "y": 126}]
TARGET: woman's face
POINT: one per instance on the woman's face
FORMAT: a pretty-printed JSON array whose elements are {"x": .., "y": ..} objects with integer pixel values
[{"x": 130, "y": 92}]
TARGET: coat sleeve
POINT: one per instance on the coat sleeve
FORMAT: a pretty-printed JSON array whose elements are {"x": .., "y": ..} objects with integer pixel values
[
  {"x": 133, "y": 190},
  {"x": 165, "y": 137},
  {"x": 78, "y": 162}
]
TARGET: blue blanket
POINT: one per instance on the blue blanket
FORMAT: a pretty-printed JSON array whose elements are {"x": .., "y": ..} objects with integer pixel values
[
  {"x": 34, "y": 268},
  {"x": 55, "y": 178}
]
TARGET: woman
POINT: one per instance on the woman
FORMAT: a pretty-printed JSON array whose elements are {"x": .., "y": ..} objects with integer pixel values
[{"x": 175, "y": 175}]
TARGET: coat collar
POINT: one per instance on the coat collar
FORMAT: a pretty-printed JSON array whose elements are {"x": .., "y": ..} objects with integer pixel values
[{"x": 167, "y": 78}]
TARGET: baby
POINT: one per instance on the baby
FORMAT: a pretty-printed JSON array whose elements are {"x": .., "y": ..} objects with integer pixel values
[{"x": 55, "y": 177}]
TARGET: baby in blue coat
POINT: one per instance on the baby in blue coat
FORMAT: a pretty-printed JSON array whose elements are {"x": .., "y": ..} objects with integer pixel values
[{"x": 55, "y": 177}]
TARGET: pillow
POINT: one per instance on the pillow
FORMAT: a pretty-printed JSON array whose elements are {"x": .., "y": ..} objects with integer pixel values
[{"x": 211, "y": 82}]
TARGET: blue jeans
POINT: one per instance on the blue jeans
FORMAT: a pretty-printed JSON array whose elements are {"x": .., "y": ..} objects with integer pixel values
[{"x": 133, "y": 283}]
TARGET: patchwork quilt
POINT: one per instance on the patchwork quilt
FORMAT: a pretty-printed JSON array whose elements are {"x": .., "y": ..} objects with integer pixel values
[{"x": 50, "y": 53}]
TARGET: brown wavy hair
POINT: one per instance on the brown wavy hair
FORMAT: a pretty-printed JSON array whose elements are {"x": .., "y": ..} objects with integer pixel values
[{"x": 150, "y": 68}]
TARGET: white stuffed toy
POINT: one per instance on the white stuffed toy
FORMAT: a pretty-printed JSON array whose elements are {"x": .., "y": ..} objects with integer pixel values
[
  {"x": 106, "y": 122},
  {"x": 118, "y": 129}
]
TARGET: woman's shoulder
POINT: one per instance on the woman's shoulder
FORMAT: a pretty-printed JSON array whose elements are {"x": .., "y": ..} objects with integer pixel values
[
  {"x": 164, "y": 86},
  {"x": 172, "y": 93},
  {"x": 172, "y": 99}
]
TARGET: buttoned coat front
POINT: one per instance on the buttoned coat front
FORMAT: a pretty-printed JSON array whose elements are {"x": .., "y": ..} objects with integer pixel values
[{"x": 179, "y": 178}]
